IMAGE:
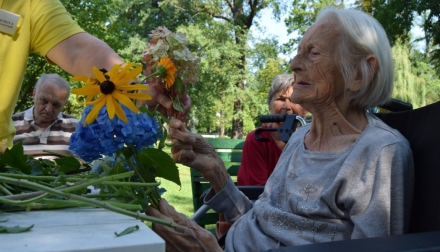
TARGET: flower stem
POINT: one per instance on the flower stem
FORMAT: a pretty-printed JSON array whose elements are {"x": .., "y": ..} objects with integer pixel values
[
  {"x": 42, "y": 178},
  {"x": 138, "y": 162},
  {"x": 5, "y": 191},
  {"x": 22, "y": 202},
  {"x": 130, "y": 183},
  {"x": 107, "y": 206},
  {"x": 150, "y": 75}
]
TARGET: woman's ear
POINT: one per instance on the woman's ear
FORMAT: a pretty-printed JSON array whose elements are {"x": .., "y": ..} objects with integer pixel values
[
  {"x": 373, "y": 65},
  {"x": 356, "y": 84}
]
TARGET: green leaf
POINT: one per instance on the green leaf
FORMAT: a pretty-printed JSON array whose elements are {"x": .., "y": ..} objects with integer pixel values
[
  {"x": 144, "y": 109},
  {"x": 16, "y": 229},
  {"x": 68, "y": 164},
  {"x": 127, "y": 152},
  {"x": 159, "y": 164},
  {"x": 128, "y": 231},
  {"x": 37, "y": 167},
  {"x": 15, "y": 158},
  {"x": 178, "y": 85},
  {"x": 177, "y": 104},
  {"x": 117, "y": 169}
]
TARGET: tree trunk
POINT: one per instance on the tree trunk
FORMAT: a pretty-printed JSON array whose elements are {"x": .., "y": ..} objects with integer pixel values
[{"x": 237, "y": 121}]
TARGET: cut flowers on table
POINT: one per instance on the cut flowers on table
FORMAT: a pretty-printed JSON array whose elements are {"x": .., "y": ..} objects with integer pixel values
[{"x": 118, "y": 144}]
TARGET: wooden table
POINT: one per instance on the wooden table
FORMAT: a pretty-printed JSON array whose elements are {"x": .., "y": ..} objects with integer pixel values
[{"x": 77, "y": 229}]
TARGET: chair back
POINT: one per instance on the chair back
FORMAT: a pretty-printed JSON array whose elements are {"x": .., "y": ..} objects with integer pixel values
[
  {"x": 230, "y": 152},
  {"x": 421, "y": 127}
]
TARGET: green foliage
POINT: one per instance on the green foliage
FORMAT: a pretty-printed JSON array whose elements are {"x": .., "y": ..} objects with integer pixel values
[
  {"x": 408, "y": 87},
  {"x": 224, "y": 33},
  {"x": 180, "y": 196},
  {"x": 237, "y": 69},
  {"x": 136, "y": 190},
  {"x": 302, "y": 16},
  {"x": 160, "y": 164},
  {"x": 14, "y": 159},
  {"x": 424, "y": 70},
  {"x": 396, "y": 17}
]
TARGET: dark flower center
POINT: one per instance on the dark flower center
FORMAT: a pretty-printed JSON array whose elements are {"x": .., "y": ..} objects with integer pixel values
[{"x": 107, "y": 87}]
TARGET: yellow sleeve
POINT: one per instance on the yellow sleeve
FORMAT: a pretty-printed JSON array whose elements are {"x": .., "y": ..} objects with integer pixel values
[{"x": 50, "y": 24}]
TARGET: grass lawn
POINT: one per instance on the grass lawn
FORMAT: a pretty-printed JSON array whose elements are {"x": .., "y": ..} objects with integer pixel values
[{"x": 180, "y": 197}]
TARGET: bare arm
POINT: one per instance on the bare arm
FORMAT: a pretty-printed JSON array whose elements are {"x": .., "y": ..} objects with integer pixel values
[{"x": 79, "y": 53}]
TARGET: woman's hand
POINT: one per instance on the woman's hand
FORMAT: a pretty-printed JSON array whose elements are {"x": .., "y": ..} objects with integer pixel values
[
  {"x": 165, "y": 103},
  {"x": 189, "y": 236},
  {"x": 194, "y": 151}
]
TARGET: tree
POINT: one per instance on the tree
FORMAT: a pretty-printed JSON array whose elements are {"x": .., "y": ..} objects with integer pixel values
[
  {"x": 302, "y": 16},
  {"x": 238, "y": 16},
  {"x": 430, "y": 10},
  {"x": 422, "y": 68},
  {"x": 397, "y": 17},
  {"x": 408, "y": 87}
]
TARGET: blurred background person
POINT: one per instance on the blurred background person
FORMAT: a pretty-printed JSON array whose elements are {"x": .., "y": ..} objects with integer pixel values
[
  {"x": 44, "y": 126},
  {"x": 259, "y": 158}
]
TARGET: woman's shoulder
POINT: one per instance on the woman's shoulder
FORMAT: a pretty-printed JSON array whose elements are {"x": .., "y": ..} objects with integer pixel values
[{"x": 379, "y": 132}]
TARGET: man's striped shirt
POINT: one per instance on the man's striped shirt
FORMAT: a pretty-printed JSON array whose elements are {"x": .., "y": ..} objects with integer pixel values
[{"x": 54, "y": 138}]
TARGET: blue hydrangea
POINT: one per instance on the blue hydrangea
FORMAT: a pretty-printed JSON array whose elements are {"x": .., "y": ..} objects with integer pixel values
[{"x": 105, "y": 136}]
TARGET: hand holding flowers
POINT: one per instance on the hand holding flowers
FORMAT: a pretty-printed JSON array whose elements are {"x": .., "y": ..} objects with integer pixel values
[
  {"x": 113, "y": 126},
  {"x": 123, "y": 143},
  {"x": 169, "y": 50}
]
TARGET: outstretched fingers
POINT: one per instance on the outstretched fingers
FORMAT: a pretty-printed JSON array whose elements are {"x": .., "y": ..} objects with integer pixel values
[{"x": 188, "y": 236}]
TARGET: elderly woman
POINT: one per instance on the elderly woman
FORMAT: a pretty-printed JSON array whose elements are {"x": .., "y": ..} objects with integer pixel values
[
  {"x": 259, "y": 158},
  {"x": 347, "y": 175}
]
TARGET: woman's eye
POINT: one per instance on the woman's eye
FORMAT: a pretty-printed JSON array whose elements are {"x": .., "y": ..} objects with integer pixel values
[{"x": 314, "y": 52}]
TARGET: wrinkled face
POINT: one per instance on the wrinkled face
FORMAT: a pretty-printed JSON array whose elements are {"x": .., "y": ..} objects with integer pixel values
[
  {"x": 317, "y": 78},
  {"x": 48, "y": 102},
  {"x": 281, "y": 103}
]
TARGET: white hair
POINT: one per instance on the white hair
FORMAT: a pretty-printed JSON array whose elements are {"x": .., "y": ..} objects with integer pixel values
[
  {"x": 364, "y": 36},
  {"x": 54, "y": 80},
  {"x": 281, "y": 82}
]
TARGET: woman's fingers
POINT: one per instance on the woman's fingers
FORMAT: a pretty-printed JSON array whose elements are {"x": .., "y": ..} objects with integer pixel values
[
  {"x": 170, "y": 211},
  {"x": 183, "y": 156},
  {"x": 179, "y": 132}
]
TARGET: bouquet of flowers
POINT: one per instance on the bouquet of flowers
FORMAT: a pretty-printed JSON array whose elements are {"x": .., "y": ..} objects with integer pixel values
[
  {"x": 117, "y": 136},
  {"x": 172, "y": 48},
  {"x": 111, "y": 125}
]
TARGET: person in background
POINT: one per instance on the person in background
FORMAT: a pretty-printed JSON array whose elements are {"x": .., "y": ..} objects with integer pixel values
[
  {"x": 46, "y": 28},
  {"x": 259, "y": 158},
  {"x": 346, "y": 175},
  {"x": 44, "y": 126}
]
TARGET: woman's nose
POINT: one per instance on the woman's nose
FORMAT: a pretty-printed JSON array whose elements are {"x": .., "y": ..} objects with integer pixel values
[
  {"x": 295, "y": 64},
  {"x": 287, "y": 104}
]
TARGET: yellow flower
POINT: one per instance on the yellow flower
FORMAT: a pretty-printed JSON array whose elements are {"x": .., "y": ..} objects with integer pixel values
[
  {"x": 111, "y": 88},
  {"x": 165, "y": 69}
]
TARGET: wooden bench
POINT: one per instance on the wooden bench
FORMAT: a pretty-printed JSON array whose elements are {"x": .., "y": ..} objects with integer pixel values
[{"x": 229, "y": 150}]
